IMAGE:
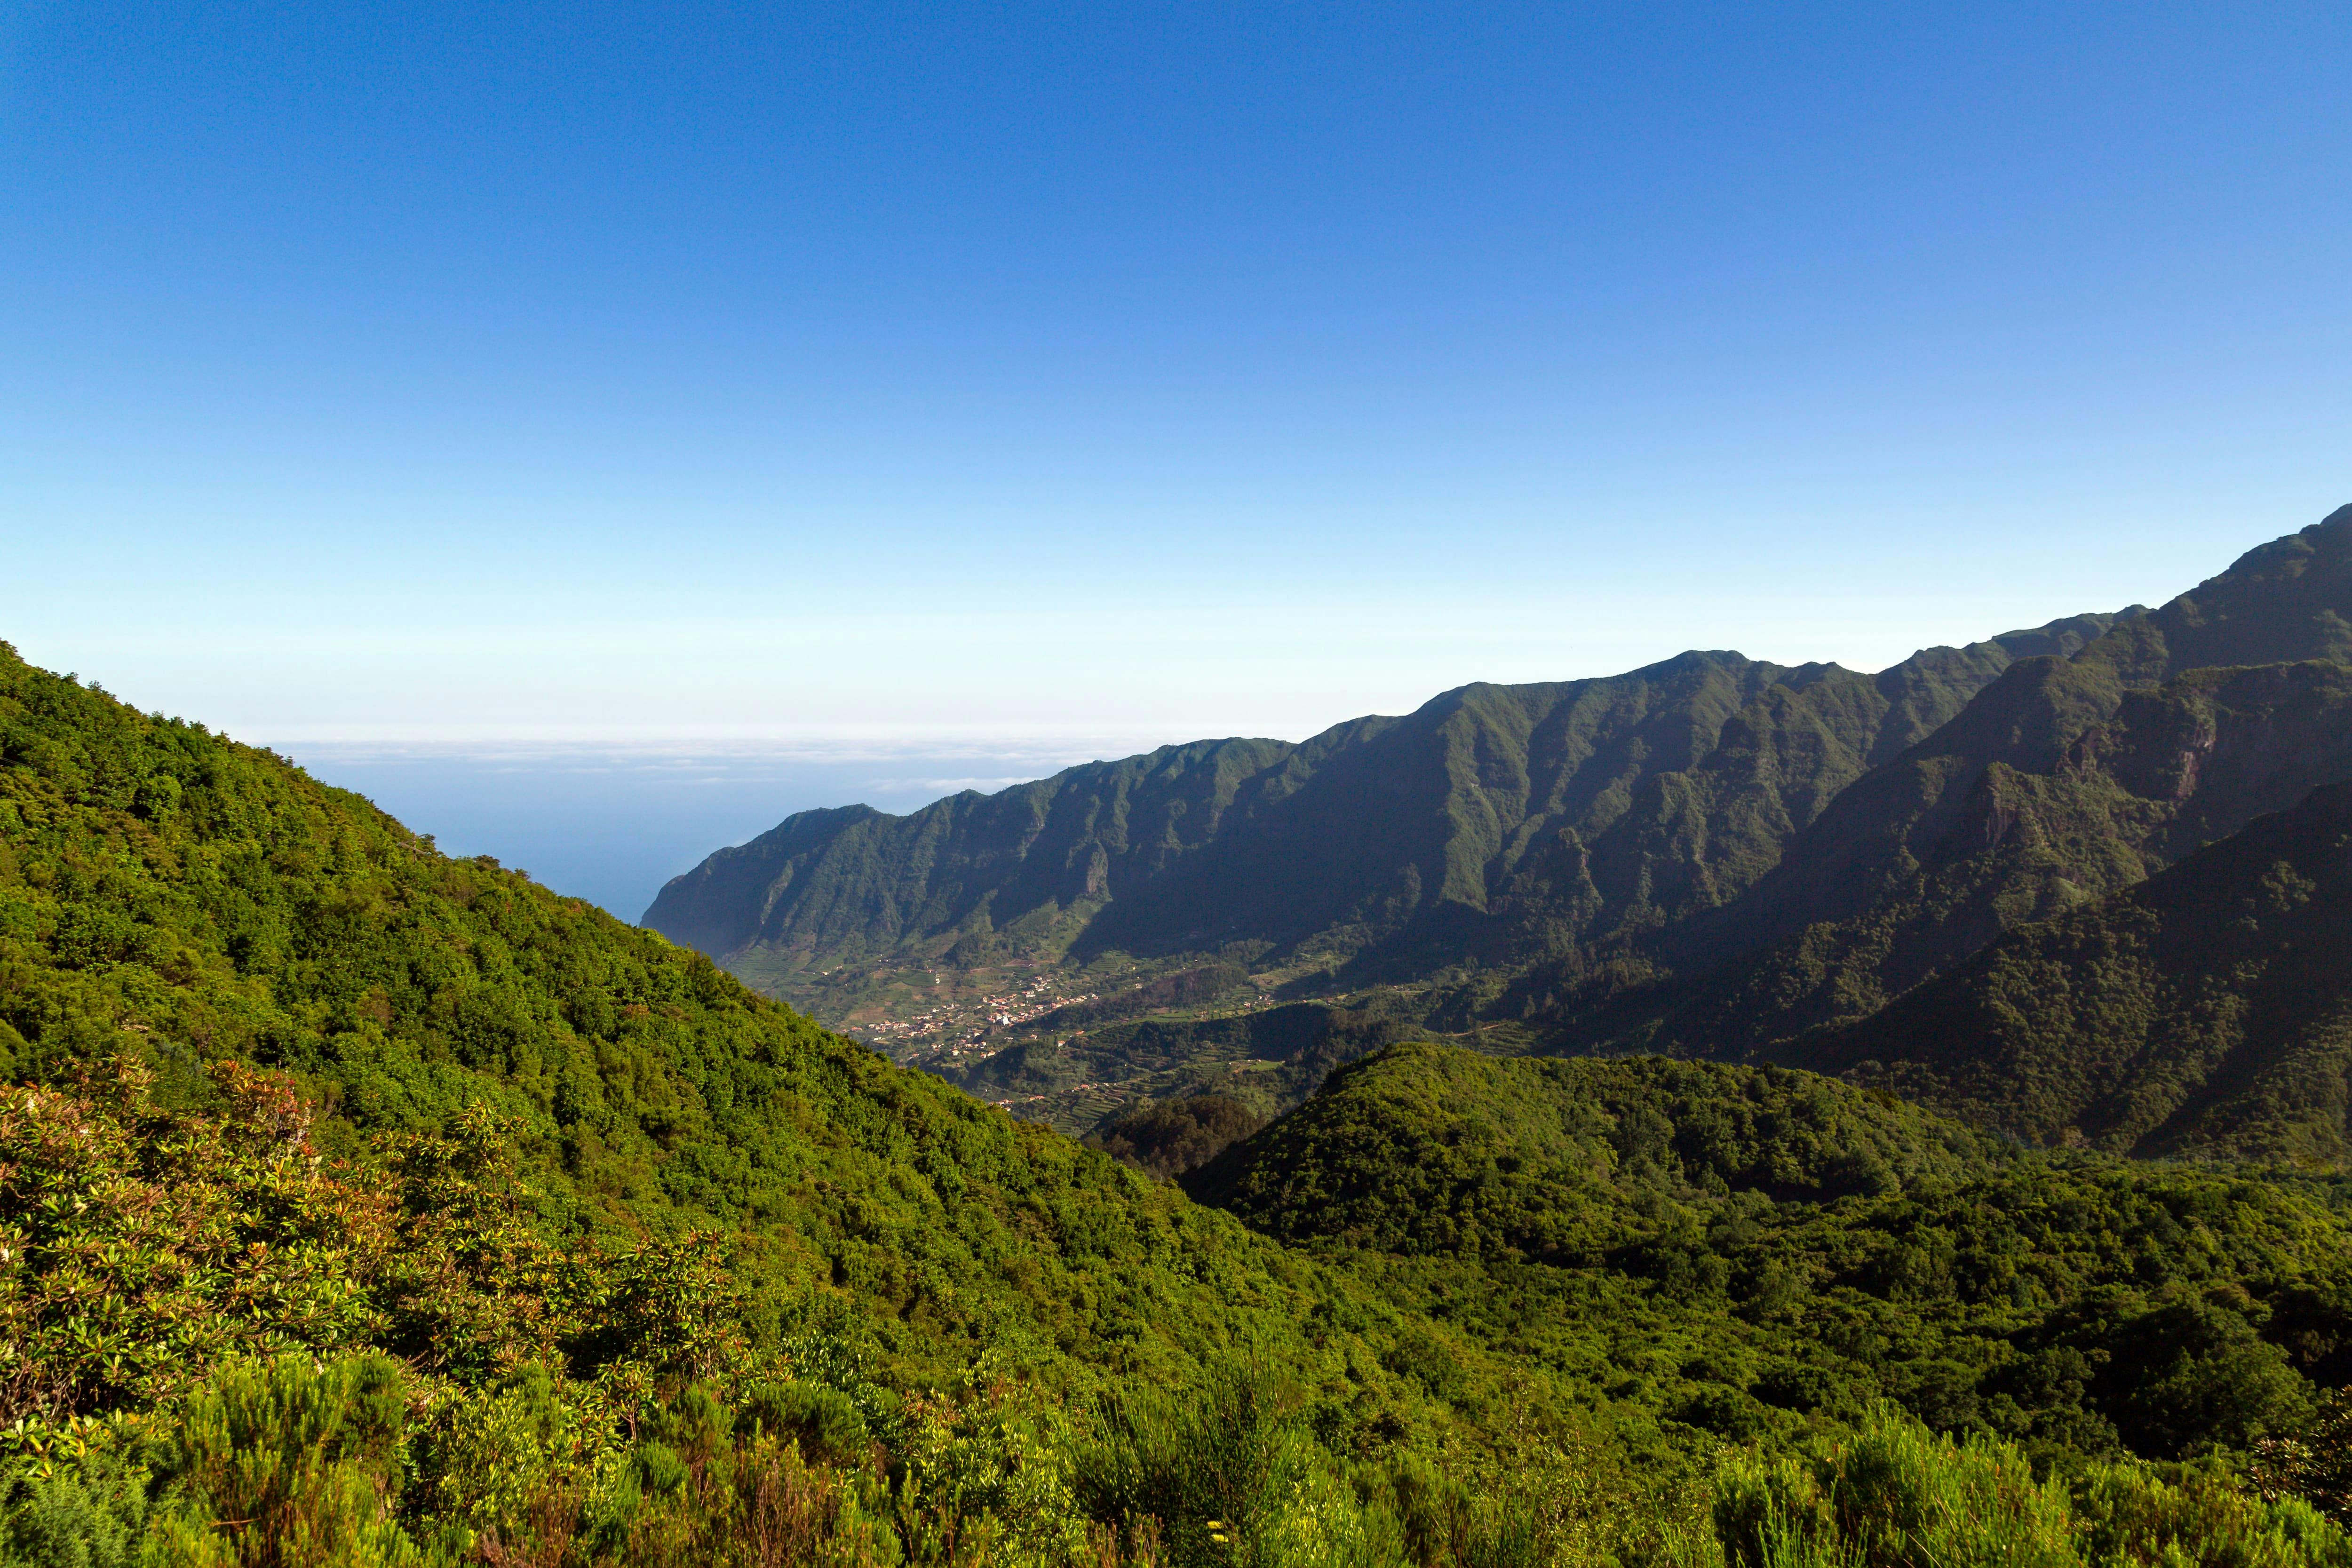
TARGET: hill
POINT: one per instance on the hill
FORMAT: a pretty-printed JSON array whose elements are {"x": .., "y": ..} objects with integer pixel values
[
  {"x": 1434, "y": 1150},
  {"x": 167, "y": 891},
  {"x": 1752, "y": 1247},
  {"x": 295, "y": 1082}
]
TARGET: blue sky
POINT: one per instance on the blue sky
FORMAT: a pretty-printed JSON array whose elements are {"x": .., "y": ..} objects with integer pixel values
[{"x": 929, "y": 373}]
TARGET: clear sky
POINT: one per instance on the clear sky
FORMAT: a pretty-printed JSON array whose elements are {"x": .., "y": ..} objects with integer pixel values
[{"x": 931, "y": 372}]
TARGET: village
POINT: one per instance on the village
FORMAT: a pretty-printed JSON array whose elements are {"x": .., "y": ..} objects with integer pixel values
[{"x": 957, "y": 1027}]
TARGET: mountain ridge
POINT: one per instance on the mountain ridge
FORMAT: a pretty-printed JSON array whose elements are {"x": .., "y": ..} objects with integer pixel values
[
  {"x": 1710, "y": 856},
  {"x": 2122, "y": 738},
  {"x": 1501, "y": 820}
]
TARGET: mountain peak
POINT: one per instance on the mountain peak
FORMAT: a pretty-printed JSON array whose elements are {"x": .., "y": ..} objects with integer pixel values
[{"x": 2287, "y": 600}]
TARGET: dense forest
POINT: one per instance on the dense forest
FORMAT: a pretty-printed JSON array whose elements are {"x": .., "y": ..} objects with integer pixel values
[{"x": 362, "y": 1205}]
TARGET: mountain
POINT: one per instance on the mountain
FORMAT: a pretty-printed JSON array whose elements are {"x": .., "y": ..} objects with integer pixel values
[
  {"x": 2284, "y": 603},
  {"x": 1493, "y": 827},
  {"x": 2279, "y": 603},
  {"x": 2053, "y": 788},
  {"x": 2064, "y": 779},
  {"x": 2206, "y": 1011},
  {"x": 1709, "y": 858}
]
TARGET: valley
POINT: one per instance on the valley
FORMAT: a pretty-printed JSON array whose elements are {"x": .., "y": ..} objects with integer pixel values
[{"x": 1712, "y": 857}]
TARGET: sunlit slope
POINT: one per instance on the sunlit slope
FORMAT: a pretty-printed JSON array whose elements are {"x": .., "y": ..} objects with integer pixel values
[
  {"x": 167, "y": 893},
  {"x": 1430, "y": 1149},
  {"x": 1752, "y": 1250}
]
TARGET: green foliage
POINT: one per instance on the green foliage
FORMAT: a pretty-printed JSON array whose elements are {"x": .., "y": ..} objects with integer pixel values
[
  {"x": 824, "y": 1423},
  {"x": 1265, "y": 1061},
  {"x": 137, "y": 1248},
  {"x": 1894, "y": 1495},
  {"x": 2313, "y": 1465},
  {"x": 1172, "y": 1136},
  {"x": 649, "y": 1101},
  {"x": 1432, "y": 1149},
  {"x": 87, "y": 1515},
  {"x": 283, "y": 1464},
  {"x": 2198, "y": 1013},
  {"x": 1239, "y": 1476},
  {"x": 1751, "y": 1252}
]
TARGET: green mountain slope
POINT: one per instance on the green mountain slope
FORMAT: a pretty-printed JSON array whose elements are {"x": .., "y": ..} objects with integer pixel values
[
  {"x": 169, "y": 893},
  {"x": 2281, "y": 602},
  {"x": 2285, "y": 602},
  {"x": 1430, "y": 1149},
  {"x": 1965, "y": 841},
  {"x": 2206, "y": 1011},
  {"x": 1493, "y": 827},
  {"x": 1751, "y": 1248},
  {"x": 2060, "y": 781}
]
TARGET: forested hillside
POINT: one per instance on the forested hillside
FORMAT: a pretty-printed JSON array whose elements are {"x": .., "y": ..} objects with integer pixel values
[
  {"x": 2061, "y": 781},
  {"x": 2053, "y": 789},
  {"x": 1494, "y": 828},
  {"x": 2206, "y": 1011},
  {"x": 566, "y": 1163},
  {"x": 2283, "y": 605},
  {"x": 166, "y": 892},
  {"x": 1754, "y": 1247}
]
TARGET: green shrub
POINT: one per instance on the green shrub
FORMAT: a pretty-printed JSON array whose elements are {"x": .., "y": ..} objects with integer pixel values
[
  {"x": 90, "y": 1514},
  {"x": 824, "y": 1422},
  {"x": 2134, "y": 1514},
  {"x": 1893, "y": 1495},
  {"x": 1896, "y": 1496},
  {"x": 287, "y": 1464}
]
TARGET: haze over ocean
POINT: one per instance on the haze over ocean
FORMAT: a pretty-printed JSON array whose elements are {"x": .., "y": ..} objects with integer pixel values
[
  {"x": 763, "y": 383},
  {"x": 611, "y": 825}
]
